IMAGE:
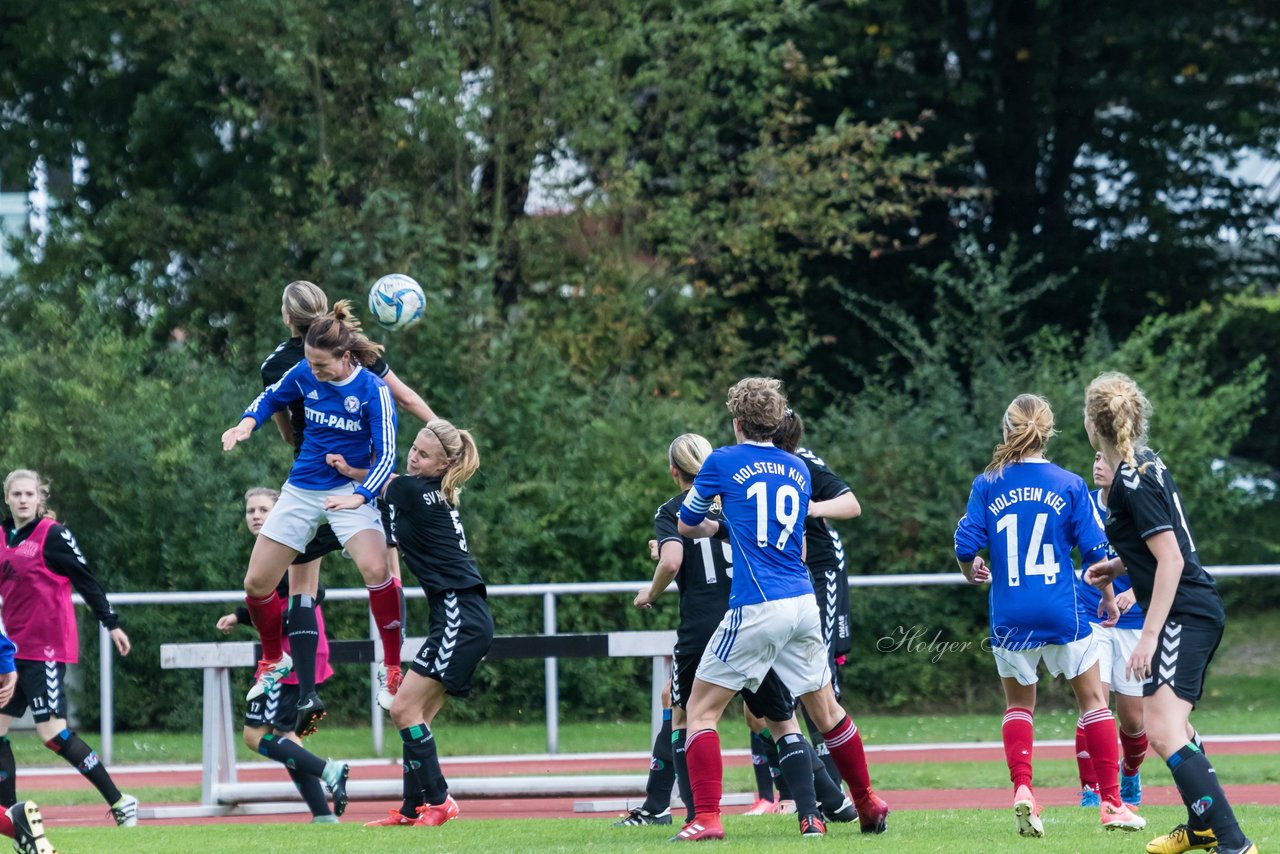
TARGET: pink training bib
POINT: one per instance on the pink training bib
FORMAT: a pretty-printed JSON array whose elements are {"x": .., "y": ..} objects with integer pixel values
[{"x": 37, "y": 609}]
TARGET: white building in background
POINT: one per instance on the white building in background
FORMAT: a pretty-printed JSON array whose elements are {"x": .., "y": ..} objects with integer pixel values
[{"x": 13, "y": 223}]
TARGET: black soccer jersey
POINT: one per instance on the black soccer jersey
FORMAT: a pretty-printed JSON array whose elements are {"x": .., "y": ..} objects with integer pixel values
[
  {"x": 705, "y": 577},
  {"x": 1143, "y": 503},
  {"x": 824, "y": 553},
  {"x": 284, "y": 357},
  {"x": 429, "y": 531}
]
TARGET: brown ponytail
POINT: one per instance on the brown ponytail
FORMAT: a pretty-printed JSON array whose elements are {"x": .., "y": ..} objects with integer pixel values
[{"x": 339, "y": 333}]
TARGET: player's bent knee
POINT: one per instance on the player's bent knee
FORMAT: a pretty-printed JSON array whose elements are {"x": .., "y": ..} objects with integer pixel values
[
  {"x": 46, "y": 730},
  {"x": 252, "y": 738}
]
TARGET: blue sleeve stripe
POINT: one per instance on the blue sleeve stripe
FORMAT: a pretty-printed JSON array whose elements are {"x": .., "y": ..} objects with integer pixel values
[{"x": 384, "y": 445}]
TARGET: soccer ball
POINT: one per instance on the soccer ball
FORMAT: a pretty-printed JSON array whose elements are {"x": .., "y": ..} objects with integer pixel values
[{"x": 396, "y": 301}]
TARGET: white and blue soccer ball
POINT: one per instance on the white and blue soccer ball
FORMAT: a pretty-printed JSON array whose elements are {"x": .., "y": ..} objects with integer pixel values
[{"x": 396, "y": 301}]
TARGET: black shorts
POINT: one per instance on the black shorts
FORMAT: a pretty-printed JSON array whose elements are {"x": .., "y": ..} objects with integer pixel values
[
  {"x": 461, "y": 634},
  {"x": 771, "y": 700},
  {"x": 388, "y": 522},
  {"x": 1183, "y": 653},
  {"x": 41, "y": 686},
  {"x": 324, "y": 542},
  {"x": 277, "y": 708}
]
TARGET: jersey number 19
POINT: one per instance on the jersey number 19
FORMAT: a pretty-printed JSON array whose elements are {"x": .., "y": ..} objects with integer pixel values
[{"x": 786, "y": 503}]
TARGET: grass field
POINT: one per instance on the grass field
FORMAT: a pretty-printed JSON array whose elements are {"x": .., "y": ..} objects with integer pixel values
[
  {"x": 957, "y": 832},
  {"x": 1234, "y": 770}
]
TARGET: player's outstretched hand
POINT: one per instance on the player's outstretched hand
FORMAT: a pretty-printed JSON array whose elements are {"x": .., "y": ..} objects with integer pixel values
[
  {"x": 237, "y": 434},
  {"x": 344, "y": 502},
  {"x": 227, "y": 622}
]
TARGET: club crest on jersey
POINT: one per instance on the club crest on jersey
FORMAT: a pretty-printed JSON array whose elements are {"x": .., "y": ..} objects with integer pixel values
[{"x": 352, "y": 403}]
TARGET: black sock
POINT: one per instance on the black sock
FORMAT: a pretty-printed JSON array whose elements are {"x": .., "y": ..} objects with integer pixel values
[
  {"x": 304, "y": 640},
  {"x": 1207, "y": 804},
  {"x": 682, "y": 771},
  {"x": 1197, "y": 741},
  {"x": 420, "y": 747},
  {"x": 291, "y": 755},
  {"x": 797, "y": 769},
  {"x": 760, "y": 765},
  {"x": 830, "y": 795},
  {"x": 820, "y": 747},
  {"x": 780, "y": 781},
  {"x": 79, "y": 755},
  {"x": 411, "y": 793},
  {"x": 312, "y": 791},
  {"x": 662, "y": 771},
  {"x": 8, "y": 774}
]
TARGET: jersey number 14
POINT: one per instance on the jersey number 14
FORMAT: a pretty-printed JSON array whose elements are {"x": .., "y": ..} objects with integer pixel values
[{"x": 1040, "y": 559}]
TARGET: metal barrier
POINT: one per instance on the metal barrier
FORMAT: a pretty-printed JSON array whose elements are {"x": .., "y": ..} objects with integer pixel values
[
  {"x": 549, "y": 594},
  {"x": 220, "y": 790}
]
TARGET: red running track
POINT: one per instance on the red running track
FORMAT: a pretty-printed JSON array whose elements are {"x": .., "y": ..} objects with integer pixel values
[{"x": 483, "y": 808}]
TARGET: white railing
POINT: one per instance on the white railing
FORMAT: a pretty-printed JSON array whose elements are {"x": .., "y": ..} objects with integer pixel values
[{"x": 549, "y": 594}]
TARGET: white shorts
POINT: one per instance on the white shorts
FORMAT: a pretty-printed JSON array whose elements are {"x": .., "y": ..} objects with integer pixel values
[
  {"x": 1117, "y": 645},
  {"x": 299, "y": 512},
  {"x": 1062, "y": 659},
  {"x": 785, "y": 634}
]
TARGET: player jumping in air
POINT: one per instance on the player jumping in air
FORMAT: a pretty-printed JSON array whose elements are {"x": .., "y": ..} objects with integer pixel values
[
  {"x": 773, "y": 620},
  {"x": 1147, "y": 527},
  {"x": 350, "y": 412},
  {"x": 301, "y": 304}
]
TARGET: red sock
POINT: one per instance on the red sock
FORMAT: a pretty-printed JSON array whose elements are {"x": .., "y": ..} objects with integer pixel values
[
  {"x": 266, "y": 614},
  {"x": 1134, "y": 748},
  {"x": 1084, "y": 761},
  {"x": 384, "y": 604},
  {"x": 6, "y": 823},
  {"x": 1100, "y": 734},
  {"x": 845, "y": 746},
  {"x": 1018, "y": 734},
  {"x": 706, "y": 772}
]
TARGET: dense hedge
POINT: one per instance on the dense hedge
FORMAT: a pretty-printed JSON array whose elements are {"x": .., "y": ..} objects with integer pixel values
[{"x": 573, "y": 467}]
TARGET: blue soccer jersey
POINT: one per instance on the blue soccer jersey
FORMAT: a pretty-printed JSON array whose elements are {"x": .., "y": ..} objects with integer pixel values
[
  {"x": 1092, "y": 596},
  {"x": 1030, "y": 517},
  {"x": 764, "y": 494},
  {"x": 354, "y": 417}
]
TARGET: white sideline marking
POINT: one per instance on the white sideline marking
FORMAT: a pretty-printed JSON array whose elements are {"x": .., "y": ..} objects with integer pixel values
[{"x": 553, "y": 758}]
